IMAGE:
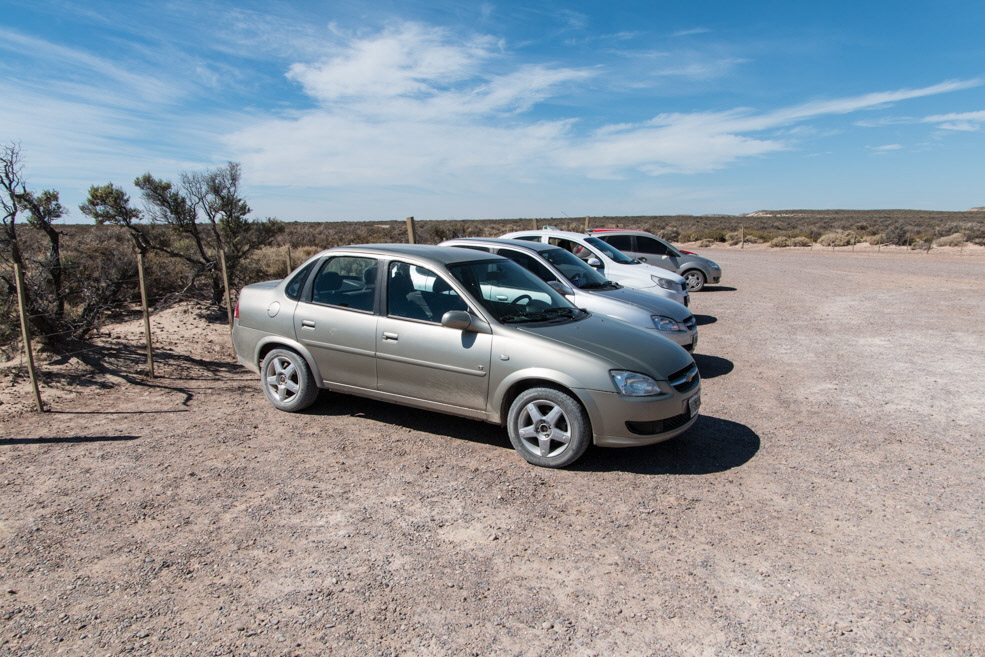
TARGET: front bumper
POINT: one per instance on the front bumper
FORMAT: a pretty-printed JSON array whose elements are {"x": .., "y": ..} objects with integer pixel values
[{"x": 619, "y": 421}]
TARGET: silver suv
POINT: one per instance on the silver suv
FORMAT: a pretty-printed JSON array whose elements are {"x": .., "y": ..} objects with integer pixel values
[
  {"x": 647, "y": 247},
  {"x": 465, "y": 333},
  {"x": 583, "y": 286}
]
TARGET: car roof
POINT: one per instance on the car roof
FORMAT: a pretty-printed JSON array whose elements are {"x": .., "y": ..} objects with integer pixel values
[
  {"x": 625, "y": 231},
  {"x": 552, "y": 233},
  {"x": 502, "y": 241},
  {"x": 445, "y": 255}
]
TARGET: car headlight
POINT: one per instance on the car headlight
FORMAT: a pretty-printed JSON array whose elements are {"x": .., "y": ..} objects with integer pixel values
[
  {"x": 714, "y": 265},
  {"x": 664, "y": 283},
  {"x": 665, "y": 323},
  {"x": 634, "y": 384}
]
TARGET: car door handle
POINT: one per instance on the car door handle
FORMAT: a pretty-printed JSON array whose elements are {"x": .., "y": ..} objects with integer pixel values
[
  {"x": 390, "y": 336},
  {"x": 307, "y": 323}
]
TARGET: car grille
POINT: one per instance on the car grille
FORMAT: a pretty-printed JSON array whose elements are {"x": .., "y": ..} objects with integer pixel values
[
  {"x": 689, "y": 322},
  {"x": 654, "y": 427},
  {"x": 685, "y": 379}
]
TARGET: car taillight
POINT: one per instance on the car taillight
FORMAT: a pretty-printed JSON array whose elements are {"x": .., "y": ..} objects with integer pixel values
[{"x": 236, "y": 311}]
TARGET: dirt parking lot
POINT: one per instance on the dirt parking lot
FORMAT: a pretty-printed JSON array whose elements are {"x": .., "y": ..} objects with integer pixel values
[{"x": 829, "y": 501}]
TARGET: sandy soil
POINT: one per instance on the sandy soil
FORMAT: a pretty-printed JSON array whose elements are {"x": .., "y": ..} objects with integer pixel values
[{"x": 829, "y": 501}]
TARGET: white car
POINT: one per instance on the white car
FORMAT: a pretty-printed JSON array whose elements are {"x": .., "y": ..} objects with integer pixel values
[
  {"x": 612, "y": 263},
  {"x": 586, "y": 288}
]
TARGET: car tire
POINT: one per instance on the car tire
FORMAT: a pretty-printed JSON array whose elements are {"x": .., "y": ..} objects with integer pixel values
[
  {"x": 695, "y": 279},
  {"x": 548, "y": 427},
  {"x": 287, "y": 381}
]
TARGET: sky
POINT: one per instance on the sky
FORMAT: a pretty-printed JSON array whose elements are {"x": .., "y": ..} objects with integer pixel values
[{"x": 355, "y": 110}]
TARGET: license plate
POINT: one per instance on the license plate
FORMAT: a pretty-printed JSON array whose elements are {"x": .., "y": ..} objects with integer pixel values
[{"x": 693, "y": 404}]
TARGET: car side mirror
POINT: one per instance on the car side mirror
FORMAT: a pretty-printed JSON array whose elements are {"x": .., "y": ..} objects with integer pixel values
[
  {"x": 462, "y": 320},
  {"x": 642, "y": 258},
  {"x": 560, "y": 288},
  {"x": 594, "y": 262}
]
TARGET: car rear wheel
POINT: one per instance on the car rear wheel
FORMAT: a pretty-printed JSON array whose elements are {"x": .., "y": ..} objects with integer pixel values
[
  {"x": 695, "y": 280},
  {"x": 287, "y": 381},
  {"x": 548, "y": 427}
]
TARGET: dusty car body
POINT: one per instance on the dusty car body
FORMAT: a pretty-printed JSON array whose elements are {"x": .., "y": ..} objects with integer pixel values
[
  {"x": 611, "y": 262},
  {"x": 647, "y": 247},
  {"x": 586, "y": 288},
  {"x": 428, "y": 327}
]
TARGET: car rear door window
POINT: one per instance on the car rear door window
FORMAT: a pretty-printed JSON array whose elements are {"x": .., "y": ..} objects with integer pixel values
[
  {"x": 347, "y": 282},
  {"x": 621, "y": 242}
]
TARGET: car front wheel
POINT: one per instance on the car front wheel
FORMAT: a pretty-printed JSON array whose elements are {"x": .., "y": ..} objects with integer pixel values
[
  {"x": 548, "y": 427},
  {"x": 287, "y": 381},
  {"x": 695, "y": 280}
]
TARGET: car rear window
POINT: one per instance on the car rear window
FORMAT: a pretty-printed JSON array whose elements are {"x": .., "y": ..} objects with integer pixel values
[{"x": 296, "y": 284}]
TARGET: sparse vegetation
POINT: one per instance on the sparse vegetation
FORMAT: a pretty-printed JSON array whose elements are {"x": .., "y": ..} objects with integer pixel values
[
  {"x": 838, "y": 238},
  {"x": 191, "y": 221}
]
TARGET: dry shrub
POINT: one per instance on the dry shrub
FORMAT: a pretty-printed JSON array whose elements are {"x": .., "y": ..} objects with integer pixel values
[
  {"x": 838, "y": 238},
  {"x": 780, "y": 242},
  {"x": 801, "y": 240},
  {"x": 957, "y": 239}
]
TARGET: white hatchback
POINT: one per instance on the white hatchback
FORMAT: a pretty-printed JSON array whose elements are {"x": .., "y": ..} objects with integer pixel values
[{"x": 612, "y": 263}]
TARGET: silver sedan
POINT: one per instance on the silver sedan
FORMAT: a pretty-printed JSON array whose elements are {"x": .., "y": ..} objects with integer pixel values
[{"x": 430, "y": 327}]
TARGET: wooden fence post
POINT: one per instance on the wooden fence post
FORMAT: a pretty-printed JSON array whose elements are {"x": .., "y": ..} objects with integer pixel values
[
  {"x": 26, "y": 335},
  {"x": 411, "y": 232},
  {"x": 143, "y": 304},
  {"x": 742, "y": 237},
  {"x": 225, "y": 283},
  {"x": 290, "y": 262}
]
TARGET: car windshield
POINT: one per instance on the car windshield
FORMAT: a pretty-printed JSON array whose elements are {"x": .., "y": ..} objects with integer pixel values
[
  {"x": 577, "y": 271},
  {"x": 610, "y": 252},
  {"x": 512, "y": 295}
]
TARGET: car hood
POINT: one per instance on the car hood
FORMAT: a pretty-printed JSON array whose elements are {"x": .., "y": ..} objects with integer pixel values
[
  {"x": 623, "y": 345},
  {"x": 645, "y": 301},
  {"x": 653, "y": 270}
]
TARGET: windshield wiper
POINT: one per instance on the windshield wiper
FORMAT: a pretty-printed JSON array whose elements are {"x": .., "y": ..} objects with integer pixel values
[{"x": 542, "y": 315}]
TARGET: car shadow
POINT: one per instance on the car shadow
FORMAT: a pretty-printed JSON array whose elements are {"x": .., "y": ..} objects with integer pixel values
[
  {"x": 65, "y": 439},
  {"x": 711, "y": 366},
  {"x": 705, "y": 320},
  {"x": 333, "y": 404},
  {"x": 717, "y": 288},
  {"x": 711, "y": 445}
]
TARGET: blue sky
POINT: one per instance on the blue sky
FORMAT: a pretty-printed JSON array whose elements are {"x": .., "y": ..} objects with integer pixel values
[{"x": 349, "y": 110}]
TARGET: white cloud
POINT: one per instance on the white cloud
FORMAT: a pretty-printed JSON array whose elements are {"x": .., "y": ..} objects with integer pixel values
[
  {"x": 958, "y": 122},
  {"x": 411, "y": 60},
  {"x": 419, "y": 106}
]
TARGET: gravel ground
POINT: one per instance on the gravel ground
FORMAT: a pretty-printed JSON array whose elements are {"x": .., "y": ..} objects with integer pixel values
[{"x": 829, "y": 501}]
